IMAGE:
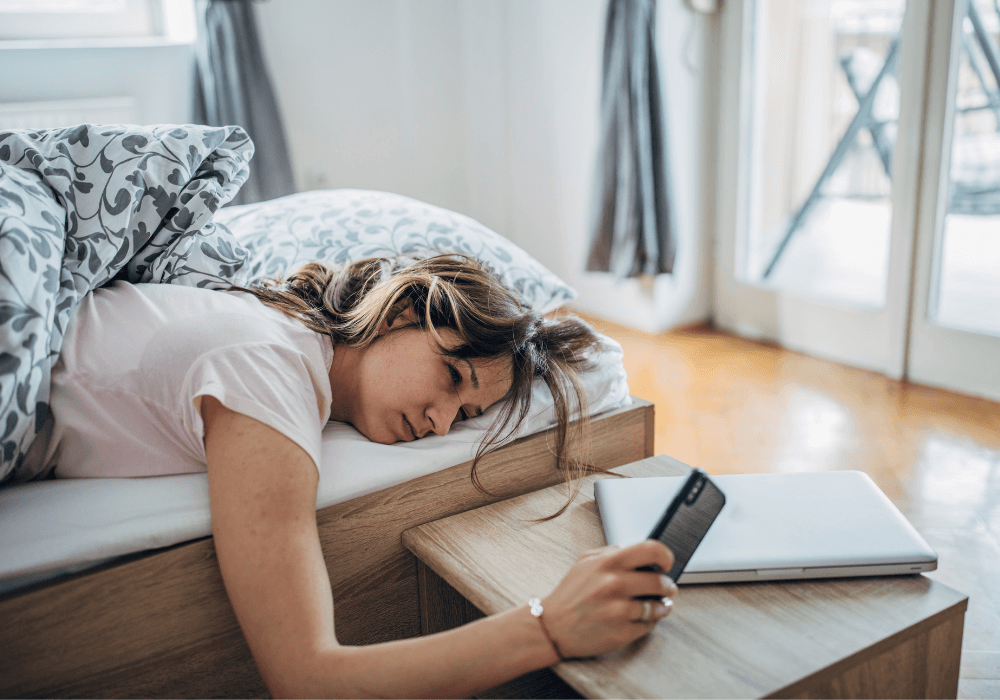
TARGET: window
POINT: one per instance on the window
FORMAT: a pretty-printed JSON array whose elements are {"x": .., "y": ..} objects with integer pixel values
[{"x": 96, "y": 19}]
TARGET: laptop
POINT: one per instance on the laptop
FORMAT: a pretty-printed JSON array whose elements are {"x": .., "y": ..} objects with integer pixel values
[{"x": 777, "y": 527}]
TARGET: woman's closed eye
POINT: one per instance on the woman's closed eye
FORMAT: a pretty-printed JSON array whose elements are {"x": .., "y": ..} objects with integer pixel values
[
  {"x": 456, "y": 380},
  {"x": 456, "y": 376}
]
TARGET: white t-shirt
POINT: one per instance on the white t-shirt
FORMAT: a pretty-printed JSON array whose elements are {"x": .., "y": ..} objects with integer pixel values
[{"x": 136, "y": 360}]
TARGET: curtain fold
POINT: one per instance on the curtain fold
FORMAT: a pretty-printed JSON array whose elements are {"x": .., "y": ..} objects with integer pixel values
[
  {"x": 634, "y": 229},
  {"x": 232, "y": 88}
]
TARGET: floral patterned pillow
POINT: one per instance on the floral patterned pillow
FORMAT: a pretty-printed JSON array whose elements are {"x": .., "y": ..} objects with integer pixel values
[{"x": 339, "y": 226}]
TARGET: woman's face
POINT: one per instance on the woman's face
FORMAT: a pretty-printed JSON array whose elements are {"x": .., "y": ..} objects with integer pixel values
[{"x": 402, "y": 388}]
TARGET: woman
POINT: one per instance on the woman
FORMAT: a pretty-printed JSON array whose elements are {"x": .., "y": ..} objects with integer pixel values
[{"x": 158, "y": 379}]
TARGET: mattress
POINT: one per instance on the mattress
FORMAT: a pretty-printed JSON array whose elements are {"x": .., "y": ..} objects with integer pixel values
[{"x": 63, "y": 526}]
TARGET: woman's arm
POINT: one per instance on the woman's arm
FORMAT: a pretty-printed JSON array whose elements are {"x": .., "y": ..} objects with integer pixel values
[{"x": 263, "y": 498}]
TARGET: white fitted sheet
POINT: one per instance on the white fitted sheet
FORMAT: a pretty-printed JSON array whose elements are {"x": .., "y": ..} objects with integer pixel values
[{"x": 62, "y": 526}]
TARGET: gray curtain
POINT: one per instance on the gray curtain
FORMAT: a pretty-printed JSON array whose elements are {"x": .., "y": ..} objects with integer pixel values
[
  {"x": 634, "y": 228},
  {"x": 232, "y": 88}
]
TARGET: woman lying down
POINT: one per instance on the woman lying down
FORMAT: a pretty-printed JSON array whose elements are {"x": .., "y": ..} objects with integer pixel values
[{"x": 245, "y": 380}]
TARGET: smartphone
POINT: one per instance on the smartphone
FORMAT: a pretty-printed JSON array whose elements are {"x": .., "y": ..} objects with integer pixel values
[{"x": 688, "y": 518}]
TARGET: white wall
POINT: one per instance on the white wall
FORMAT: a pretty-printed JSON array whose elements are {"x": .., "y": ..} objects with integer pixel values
[
  {"x": 490, "y": 108},
  {"x": 370, "y": 93}
]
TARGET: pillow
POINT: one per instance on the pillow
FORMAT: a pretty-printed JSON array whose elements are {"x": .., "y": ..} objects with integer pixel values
[{"x": 340, "y": 226}]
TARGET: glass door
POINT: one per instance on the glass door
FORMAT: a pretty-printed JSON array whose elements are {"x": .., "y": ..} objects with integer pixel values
[
  {"x": 821, "y": 121},
  {"x": 859, "y": 184},
  {"x": 955, "y": 327},
  {"x": 824, "y": 103}
]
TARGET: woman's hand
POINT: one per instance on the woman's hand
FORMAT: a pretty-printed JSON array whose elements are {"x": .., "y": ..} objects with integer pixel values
[{"x": 593, "y": 610}]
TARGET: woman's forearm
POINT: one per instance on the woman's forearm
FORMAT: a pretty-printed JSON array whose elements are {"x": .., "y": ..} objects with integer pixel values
[
  {"x": 263, "y": 488},
  {"x": 456, "y": 663}
]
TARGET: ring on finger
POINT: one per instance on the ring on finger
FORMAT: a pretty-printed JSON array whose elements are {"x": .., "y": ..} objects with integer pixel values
[{"x": 647, "y": 610}]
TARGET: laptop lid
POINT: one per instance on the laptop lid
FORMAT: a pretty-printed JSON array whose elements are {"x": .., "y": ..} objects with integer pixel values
[{"x": 777, "y": 526}]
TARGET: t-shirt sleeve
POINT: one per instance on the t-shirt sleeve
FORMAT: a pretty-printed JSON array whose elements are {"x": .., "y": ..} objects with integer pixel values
[{"x": 269, "y": 383}]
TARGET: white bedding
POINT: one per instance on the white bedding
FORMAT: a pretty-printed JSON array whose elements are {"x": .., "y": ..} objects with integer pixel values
[{"x": 56, "y": 527}]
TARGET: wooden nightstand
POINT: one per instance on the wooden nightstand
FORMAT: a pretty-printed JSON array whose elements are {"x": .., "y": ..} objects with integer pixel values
[{"x": 864, "y": 637}]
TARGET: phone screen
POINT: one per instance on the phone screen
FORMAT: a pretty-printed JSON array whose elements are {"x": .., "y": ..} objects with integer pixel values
[{"x": 688, "y": 518}]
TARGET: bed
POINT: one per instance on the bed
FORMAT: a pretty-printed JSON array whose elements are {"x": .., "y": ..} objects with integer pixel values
[
  {"x": 158, "y": 624},
  {"x": 110, "y": 587}
]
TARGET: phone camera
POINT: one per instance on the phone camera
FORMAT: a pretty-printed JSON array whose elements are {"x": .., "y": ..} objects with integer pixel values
[{"x": 693, "y": 496}]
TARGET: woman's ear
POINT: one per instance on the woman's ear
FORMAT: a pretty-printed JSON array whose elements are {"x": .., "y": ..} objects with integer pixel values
[{"x": 400, "y": 316}]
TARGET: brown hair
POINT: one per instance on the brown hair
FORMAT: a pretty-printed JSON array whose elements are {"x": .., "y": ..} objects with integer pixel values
[{"x": 349, "y": 304}]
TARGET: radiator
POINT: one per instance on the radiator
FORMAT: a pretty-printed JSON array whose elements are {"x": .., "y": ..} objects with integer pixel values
[{"x": 59, "y": 113}]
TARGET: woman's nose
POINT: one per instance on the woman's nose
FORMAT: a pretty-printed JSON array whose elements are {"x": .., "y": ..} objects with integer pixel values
[{"x": 443, "y": 414}]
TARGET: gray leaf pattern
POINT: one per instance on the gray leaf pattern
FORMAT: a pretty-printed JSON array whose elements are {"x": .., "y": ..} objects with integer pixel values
[{"x": 82, "y": 206}]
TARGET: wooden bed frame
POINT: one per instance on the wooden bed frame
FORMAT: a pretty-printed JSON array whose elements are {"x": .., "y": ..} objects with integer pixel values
[{"x": 159, "y": 624}]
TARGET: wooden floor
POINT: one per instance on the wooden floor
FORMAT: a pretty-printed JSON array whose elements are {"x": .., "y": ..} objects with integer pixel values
[{"x": 732, "y": 406}]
